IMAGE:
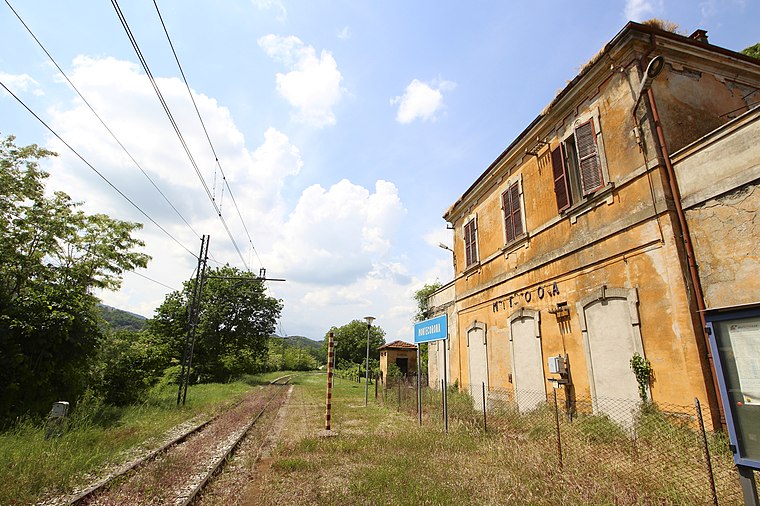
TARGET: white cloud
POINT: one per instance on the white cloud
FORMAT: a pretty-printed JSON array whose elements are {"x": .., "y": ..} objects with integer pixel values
[
  {"x": 335, "y": 246},
  {"x": 421, "y": 100},
  {"x": 313, "y": 84},
  {"x": 19, "y": 83},
  {"x": 345, "y": 33},
  {"x": 333, "y": 236},
  {"x": 708, "y": 8},
  {"x": 639, "y": 10},
  {"x": 276, "y": 5}
]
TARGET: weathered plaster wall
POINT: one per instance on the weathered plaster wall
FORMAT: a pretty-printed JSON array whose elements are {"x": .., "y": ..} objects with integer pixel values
[
  {"x": 726, "y": 234},
  {"x": 718, "y": 178}
]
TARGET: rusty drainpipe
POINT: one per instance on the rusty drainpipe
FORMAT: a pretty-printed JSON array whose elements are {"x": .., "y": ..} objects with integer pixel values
[{"x": 693, "y": 274}]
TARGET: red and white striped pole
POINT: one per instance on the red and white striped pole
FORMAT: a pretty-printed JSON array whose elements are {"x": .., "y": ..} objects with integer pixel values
[{"x": 330, "y": 354}]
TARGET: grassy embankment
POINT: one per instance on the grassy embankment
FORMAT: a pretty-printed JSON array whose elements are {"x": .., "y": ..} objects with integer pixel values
[
  {"x": 382, "y": 457},
  {"x": 96, "y": 436}
]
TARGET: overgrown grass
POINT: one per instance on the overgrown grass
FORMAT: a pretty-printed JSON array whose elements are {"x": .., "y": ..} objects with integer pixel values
[
  {"x": 381, "y": 456},
  {"x": 96, "y": 435}
]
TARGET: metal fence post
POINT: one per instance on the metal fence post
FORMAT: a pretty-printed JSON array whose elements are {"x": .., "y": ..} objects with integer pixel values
[
  {"x": 556, "y": 424},
  {"x": 708, "y": 461},
  {"x": 443, "y": 403},
  {"x": 485, "y": 422},
  {"x": 399, "y": 396}
]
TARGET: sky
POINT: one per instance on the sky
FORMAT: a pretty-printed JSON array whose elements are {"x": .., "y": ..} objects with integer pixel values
[{"x": 344, "y": 129}]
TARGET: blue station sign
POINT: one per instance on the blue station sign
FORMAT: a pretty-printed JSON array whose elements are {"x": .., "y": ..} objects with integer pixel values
[{"x": 433, "y": 329}]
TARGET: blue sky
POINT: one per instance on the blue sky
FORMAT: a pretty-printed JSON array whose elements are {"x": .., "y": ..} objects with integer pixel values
[{"x": 345, "y": 129}]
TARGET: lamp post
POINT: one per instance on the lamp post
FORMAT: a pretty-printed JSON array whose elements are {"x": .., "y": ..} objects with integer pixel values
[{"x": 369, "y": 320}]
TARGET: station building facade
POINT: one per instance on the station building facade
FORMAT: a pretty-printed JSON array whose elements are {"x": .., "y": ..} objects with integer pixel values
[{"x": 572, "y": 243}]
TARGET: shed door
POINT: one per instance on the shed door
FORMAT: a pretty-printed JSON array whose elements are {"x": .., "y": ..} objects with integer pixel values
[
  {"x": 478, "y": 362},
  {"x": 528, "y": 367}
]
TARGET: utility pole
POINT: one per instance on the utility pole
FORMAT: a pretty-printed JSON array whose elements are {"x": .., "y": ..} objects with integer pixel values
[{"x": 192, "y": 320}]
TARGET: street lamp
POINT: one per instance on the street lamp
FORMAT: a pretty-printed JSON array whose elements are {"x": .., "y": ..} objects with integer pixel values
[{"x": 369, "y": 320}]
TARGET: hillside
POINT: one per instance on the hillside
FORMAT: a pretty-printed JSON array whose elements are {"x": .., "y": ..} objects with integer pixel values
[
  {"x": 119, "y": 319},
  {"x": 312, "y": 347}
]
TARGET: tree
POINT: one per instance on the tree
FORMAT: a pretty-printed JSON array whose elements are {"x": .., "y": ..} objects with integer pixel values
[
  {"x": 753, "y": 51},
  {"x": 128, "y": 364},
  {"x": 235, "y": 321},
  {"x": 351, "y": 341},
  {"x": 52, "y": 255},
  {"x": 421, "y": 296}
]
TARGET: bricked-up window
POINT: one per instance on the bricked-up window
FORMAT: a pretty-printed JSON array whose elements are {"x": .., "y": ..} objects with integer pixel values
[
  {"x": 510, "y": 203},
  {"x": 471, "y": 242},
  {"x": 576, "y": 166}
]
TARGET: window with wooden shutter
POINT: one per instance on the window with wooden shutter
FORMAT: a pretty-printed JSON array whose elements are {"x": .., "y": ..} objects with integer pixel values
[
  {"x": 588, "y": 158},
  {"x": 561, "y": 182},
  {"x": 510, "y": 202},
  {"x": 471, "y": 242}
]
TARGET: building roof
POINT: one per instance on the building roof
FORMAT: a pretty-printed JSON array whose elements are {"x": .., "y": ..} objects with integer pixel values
[
  {"x": 618, "y": 40},
  {"x": 399, "y": 345}
]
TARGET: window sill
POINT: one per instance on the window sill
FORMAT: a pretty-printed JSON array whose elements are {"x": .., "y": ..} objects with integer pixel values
[
  {"x": 471, "y": 269},
  {"x": 601, "y": 196},
  {"x": 517, "y": 243}
]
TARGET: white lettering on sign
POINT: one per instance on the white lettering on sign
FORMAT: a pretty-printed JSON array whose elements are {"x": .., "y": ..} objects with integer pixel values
[{"x": 431, "y": 329}]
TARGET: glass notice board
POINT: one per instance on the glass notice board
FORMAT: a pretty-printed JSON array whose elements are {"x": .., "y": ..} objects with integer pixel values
[{"x": 736, "y": 345}]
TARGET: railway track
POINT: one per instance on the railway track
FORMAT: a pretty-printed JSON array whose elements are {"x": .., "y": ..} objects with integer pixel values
[{"x": 179, "y": 470}]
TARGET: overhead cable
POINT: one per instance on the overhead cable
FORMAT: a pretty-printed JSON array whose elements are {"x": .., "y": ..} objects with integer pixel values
[
  {"x": 205, "y": 131},
  {"x": 102, "y": 122},
  {"x": 100, "y": 174},
  {"x": 174, "y": 124}
]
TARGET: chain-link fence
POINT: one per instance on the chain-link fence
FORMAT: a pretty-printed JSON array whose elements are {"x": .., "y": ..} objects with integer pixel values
[{"x": 662, "y": 452}]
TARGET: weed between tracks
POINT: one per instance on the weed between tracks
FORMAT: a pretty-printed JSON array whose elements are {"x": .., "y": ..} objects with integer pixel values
[{"x": 97, "y": 436}]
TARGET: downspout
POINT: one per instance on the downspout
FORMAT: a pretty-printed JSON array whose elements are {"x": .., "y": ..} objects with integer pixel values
[{"x": 693, "y": 274}]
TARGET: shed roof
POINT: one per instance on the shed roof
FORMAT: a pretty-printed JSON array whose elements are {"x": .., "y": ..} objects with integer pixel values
[{"x": 399, "y": 345}]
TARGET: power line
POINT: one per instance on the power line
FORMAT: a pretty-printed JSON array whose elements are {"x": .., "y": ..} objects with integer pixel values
[
  {"x": 102, "y": 122},
  {"x": 154, "y": 281},
  {"x": 95, "y": 170},
  {"x": 205, "y": 131},
  {"x": 174, "y": 124}
]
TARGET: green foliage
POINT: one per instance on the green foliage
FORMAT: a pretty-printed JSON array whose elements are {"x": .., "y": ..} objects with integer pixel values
[
  {"x": 642, "y": 369},
  {"x": 52, "y": 255},
  {"x": 753, "y": 51},
  {"x": 351, "y": 341},
  {"x": 121, "y": 320},
  {"x": 294, "y": 353},
  {"x": 235, "y": 321},
  {"x": 421, "y": 296},
  {"x": 96, "y": 435},
  {"x": 394, "y": 372},
  {"x": 129, "y": 364}
]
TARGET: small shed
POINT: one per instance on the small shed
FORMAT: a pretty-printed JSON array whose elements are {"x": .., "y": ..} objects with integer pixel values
[{"x": 401, "y": 353}]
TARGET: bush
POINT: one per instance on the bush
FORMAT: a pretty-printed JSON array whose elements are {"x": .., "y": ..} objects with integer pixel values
[{"x": 129, "y": 364}]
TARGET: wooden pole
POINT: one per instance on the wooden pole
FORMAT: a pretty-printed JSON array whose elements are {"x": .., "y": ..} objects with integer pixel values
[{"x": 330, "y": 345}]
